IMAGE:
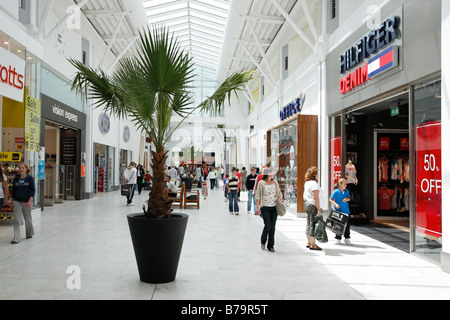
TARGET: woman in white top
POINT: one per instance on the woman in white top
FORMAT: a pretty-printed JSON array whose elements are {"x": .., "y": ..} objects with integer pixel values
[
  {"x": 312, "y": 205},
  {"x": 212, "y": 177},
  {"x": 267, "y": 195}
]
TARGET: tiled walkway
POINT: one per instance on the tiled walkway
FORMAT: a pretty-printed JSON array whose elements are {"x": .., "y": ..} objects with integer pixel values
[{"x": 221, "y": 259}]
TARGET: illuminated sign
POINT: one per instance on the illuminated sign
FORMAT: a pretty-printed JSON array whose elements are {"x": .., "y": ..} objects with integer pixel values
[{"x": 12, "y": 71}]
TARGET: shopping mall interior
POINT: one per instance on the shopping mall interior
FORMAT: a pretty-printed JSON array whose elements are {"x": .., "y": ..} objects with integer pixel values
[{"x": 118, "y": 114}]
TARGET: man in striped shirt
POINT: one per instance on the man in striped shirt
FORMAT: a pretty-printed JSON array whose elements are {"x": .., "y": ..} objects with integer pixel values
[{"x": 233, "y": 189}]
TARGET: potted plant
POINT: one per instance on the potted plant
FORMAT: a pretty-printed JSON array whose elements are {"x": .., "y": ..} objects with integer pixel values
[{"x": 148, "y": 89}]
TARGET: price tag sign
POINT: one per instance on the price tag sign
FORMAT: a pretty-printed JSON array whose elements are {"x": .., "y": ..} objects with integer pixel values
[
  {"x": 336, "y": 161},
  {"x": 429, "y": 179}
]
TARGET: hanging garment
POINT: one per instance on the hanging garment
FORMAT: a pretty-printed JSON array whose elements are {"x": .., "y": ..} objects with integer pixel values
[{"x": 385, "y": 195}]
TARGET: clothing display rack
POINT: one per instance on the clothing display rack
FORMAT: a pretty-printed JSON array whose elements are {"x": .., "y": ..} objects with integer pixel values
[{"x": 391, "y": 186}]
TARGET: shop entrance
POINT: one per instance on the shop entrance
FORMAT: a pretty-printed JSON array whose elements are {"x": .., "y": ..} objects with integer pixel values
[
  {"x": 60, "y": 163},
  {"x": 377, "y": 147}
]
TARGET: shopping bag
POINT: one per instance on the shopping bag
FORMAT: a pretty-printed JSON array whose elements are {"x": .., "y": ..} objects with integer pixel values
[
  {"x": 125, "y": 189},
  {"x": 320, "y": 233},
  {"x": 337, "y": 221}
]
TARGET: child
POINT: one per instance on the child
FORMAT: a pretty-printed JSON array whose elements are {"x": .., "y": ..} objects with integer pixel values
[
  {"x": 225, "y": 188},
  {"x": 204, "y": 189},
  {"x": 340, "y": 198}
]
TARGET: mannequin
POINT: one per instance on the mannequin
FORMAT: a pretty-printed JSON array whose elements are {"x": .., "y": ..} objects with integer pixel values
[{"x": 352, "y": 182}]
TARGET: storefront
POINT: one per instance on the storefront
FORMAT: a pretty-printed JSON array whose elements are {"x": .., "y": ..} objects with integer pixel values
[
  {"x": 384, "y": 108},
  {"x": 104, "y": 157},
  {"x": 19, "y": 109},
  {"x": 63, "y": 137},
  {"x": 293, "y": 149}
]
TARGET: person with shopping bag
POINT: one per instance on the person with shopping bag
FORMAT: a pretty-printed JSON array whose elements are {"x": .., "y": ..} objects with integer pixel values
[{"x": 340, "y": 199}]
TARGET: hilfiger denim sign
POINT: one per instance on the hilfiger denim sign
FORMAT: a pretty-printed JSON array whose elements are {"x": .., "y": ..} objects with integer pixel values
[
  {"x": 369, "y": 45},
  {"x": 12, "y": 73}
]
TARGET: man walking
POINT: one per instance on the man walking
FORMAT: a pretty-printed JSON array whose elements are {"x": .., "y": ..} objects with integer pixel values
[
  {"x": 130, "y": 176},
  {"x": 250, "y": 185}
]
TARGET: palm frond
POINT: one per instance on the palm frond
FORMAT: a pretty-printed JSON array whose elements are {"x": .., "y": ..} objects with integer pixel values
[{"x": 214, "y": 105}]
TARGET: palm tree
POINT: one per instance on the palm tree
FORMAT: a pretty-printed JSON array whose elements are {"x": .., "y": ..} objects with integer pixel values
[{"x": 148, "y": 89}]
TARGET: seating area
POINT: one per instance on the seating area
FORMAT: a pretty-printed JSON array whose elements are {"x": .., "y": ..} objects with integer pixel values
[{"x": 187, "y": 198}]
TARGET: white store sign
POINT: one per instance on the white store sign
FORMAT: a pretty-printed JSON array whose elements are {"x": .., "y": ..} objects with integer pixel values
[{"x": 12, "y": 75}]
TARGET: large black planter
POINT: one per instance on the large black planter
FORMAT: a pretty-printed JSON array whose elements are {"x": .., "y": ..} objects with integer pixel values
[{"x": 157, "y": 245}]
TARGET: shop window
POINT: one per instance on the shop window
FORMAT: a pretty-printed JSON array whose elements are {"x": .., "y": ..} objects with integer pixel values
[
  {"x": 333, "y": 15},
  {"x": 85, "y": 52},
  {"x": 24, "y": 11},
  {"x": 285, "y": 62},
  {"x": 428, "y": 170}
]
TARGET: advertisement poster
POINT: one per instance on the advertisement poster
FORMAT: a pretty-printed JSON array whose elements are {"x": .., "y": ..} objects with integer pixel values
[
  {"x": 32, "y": 124},
  {"x": 336, "y": 161},
  {"x": 429, "y": 179}
]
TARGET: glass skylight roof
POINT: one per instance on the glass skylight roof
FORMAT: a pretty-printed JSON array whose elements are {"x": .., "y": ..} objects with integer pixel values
[{"x": 199, "y": 25}]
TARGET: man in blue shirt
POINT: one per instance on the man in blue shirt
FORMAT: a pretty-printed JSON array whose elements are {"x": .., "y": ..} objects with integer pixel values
[{"x": 340, "y": 198}]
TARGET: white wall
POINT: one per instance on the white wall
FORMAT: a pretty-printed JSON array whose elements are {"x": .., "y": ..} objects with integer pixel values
[{"x": 445, "y": 137}]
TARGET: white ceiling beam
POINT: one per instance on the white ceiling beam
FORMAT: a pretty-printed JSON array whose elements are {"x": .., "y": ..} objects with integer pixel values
[
  {"x": 310, "y": 20},
  {"x": 262, "y": 52},
  {"x": 267, "y": 19},
  {"x": 293, "y": 24},
  {"x": 121, "y": 54},
  {"x": 105, "y": 13},
  {"x": 259, "y": 66},
  {"x": 113, "y": 39},
  {"x": 265, "y": 43}
]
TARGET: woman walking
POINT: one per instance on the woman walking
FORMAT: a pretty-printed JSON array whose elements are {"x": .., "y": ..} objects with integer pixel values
[
  {"x": 268, "y": 193},
  {"x": 212, "y": 177},
  {"x": 22, "y": 195},
  {"x": 312, "y": 205}
]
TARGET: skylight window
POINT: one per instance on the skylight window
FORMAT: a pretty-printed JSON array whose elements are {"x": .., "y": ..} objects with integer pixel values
[{"x": 198, "y": 24}]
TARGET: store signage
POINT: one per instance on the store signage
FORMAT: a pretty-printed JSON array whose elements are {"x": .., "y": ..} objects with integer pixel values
[
  {"x": 12, "y": 74},
  {"x": 32, "y": 124},
  {"x": 293, "y": 107},
  {"x": 126, "y": 134},
  {"x": 377, "y": 39},
  {"x": 10, "y": 156},
  {"x": 429, "y": 179},
  {"x": 384, "y": 144},
  {"x": 59, "y": 111},
  {"x": 336, "y": 162},
  {"x": 104, "y": 123}
]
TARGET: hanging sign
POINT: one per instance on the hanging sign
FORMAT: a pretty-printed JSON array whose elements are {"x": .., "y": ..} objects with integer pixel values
[
  {"x": 429, "y": 179},
  {"x": 32, "y": 124},
  {"x": 12, "y": 74},
  {"x": 336, "y": 161}
]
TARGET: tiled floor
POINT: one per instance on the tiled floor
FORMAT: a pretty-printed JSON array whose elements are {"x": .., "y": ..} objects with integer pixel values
[{"x": 221, "y": 259}]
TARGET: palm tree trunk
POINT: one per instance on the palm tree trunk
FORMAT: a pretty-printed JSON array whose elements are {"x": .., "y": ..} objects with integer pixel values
[{"x": 159, "y": 203}]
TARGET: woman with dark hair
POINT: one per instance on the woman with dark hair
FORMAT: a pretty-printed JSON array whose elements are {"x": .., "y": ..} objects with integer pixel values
[
  {"x": 312, "y": 205},
  {"x": 22, "y": 196},
  {"x": 268, "y": 193}
]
